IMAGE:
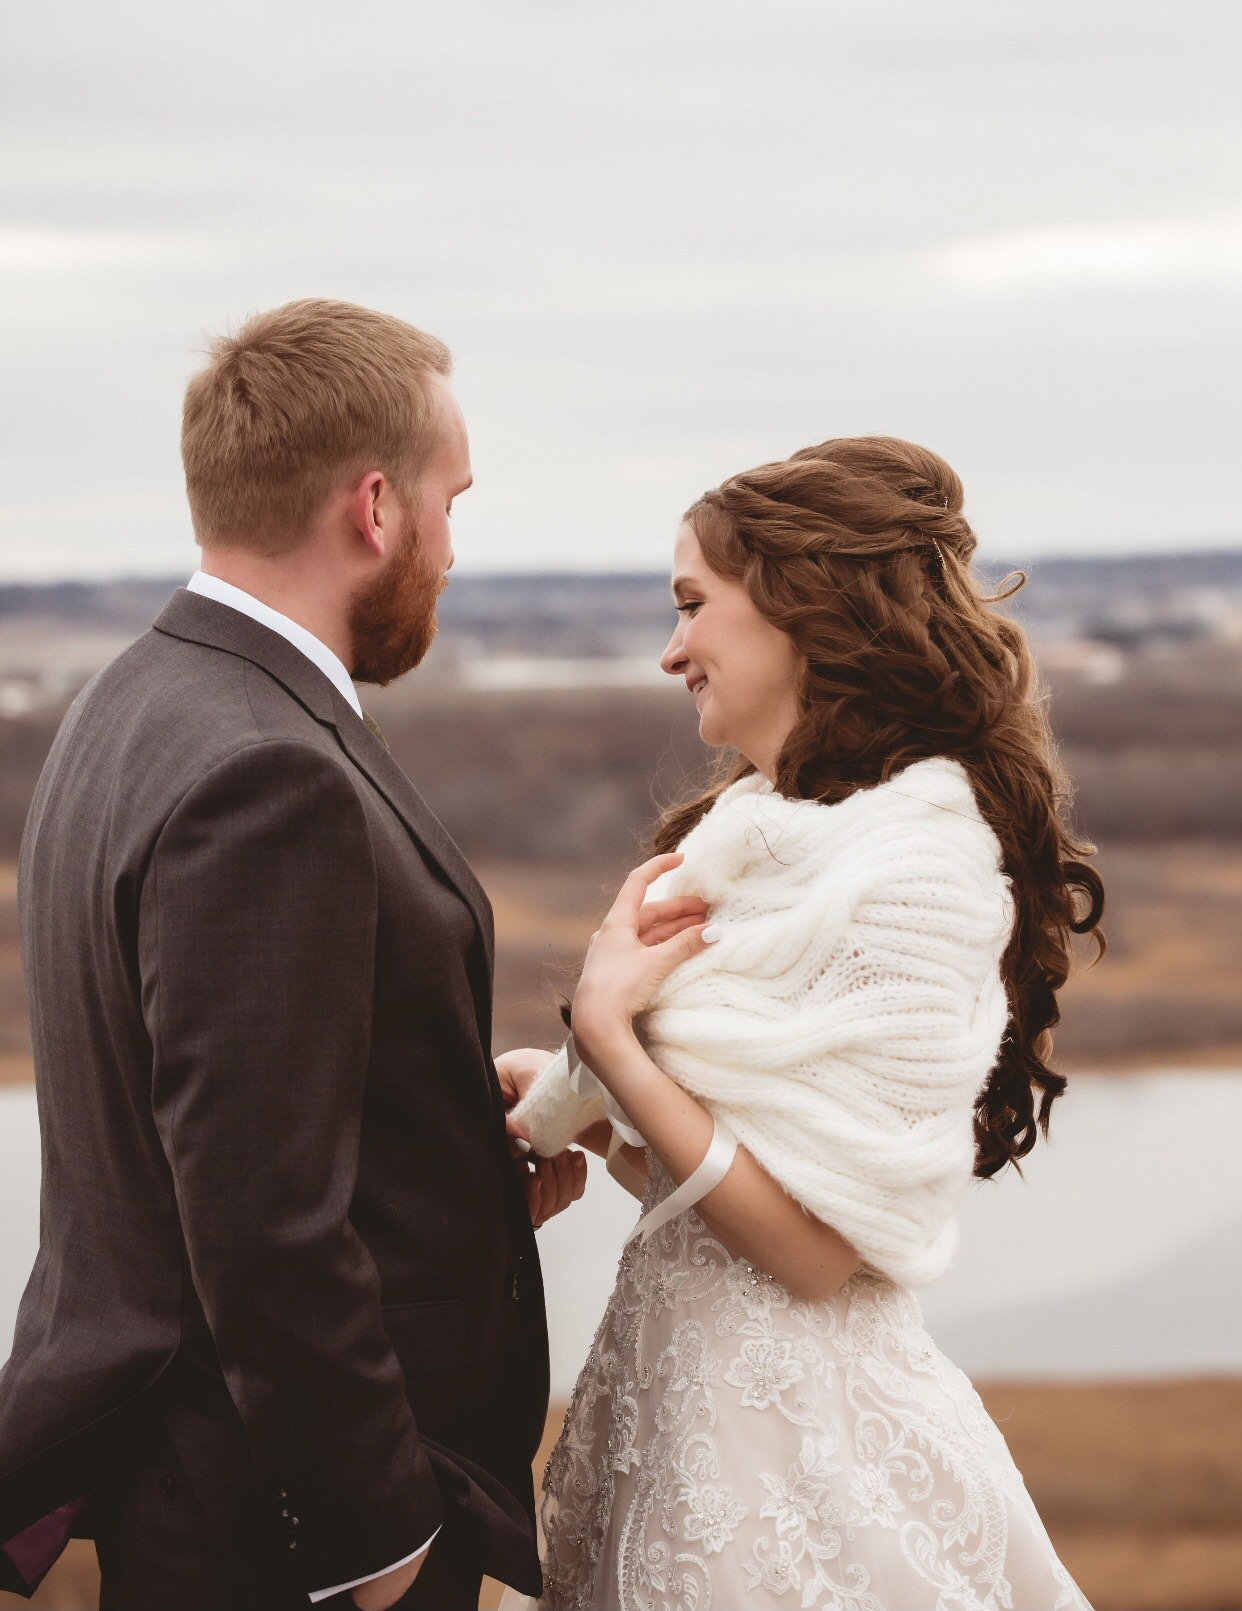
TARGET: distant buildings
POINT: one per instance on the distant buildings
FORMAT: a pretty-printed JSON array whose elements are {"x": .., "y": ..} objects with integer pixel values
[{"x": 1084, "y": 616}]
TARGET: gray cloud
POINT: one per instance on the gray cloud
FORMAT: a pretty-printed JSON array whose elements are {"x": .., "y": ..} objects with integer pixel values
[{"x": 664, "y": 241}]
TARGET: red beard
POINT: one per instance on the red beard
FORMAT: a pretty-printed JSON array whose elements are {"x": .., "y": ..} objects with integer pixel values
[{"x": 393, "y": 618}]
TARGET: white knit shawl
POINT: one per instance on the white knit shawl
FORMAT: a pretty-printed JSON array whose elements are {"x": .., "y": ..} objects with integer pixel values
[{"x": 853, "y": 1007}]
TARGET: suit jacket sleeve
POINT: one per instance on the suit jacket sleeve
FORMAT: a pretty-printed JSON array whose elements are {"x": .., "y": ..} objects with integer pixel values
[{"x": 257, "y": 941}]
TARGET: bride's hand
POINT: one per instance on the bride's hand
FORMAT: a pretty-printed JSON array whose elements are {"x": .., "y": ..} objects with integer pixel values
[
  {"x": 626, "y": 961},
  {"x": 661, "y": 920}
]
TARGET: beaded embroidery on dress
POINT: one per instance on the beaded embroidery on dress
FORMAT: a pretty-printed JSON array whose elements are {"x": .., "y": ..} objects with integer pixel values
[{"x": 728, "y": 1446}]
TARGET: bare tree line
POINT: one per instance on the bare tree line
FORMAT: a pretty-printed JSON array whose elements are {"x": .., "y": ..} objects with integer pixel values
[{"x": 576, "y": 777}]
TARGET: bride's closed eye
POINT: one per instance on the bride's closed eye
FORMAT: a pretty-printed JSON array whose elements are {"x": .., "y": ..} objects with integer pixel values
[{"x": 688, "y": 607}]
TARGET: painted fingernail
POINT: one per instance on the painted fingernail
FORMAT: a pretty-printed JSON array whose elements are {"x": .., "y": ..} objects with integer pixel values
[
  {"x": 712, "y": 933},
  {"x": 521, "y": 1144}
]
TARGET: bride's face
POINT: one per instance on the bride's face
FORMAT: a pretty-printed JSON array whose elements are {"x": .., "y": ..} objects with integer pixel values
[{"x": 739, "y": 669}]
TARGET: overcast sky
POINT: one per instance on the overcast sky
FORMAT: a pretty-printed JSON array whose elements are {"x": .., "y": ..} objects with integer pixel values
[{"x": 665, "y": 242}]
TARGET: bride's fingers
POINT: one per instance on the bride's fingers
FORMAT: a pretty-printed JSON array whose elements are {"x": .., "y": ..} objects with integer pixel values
[
  {"x": 562, "y": 1179},
  {"x": 675, "y": 906},
  {"x": 658, "y": 913},
  {"x": 570, "y": 1178},
  {"x": 659, "y": 932},
  {"x": 630, "y": 897},
  {"x": 691, "y": 940}
]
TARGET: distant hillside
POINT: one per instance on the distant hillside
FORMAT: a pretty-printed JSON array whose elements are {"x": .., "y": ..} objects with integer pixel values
[
  {"x": 1116, "y": 599},
  {"x": 126, "y": 604}
]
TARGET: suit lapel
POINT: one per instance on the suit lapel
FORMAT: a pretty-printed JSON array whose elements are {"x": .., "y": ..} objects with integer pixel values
[
  {"x": 372, "y": 759},
  {"x": 203, "y": 620},
  {"x": 370, "y": 755}
]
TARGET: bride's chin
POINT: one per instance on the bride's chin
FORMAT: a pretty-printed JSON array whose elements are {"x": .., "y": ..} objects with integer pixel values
[{"x": 710, "y": 733}]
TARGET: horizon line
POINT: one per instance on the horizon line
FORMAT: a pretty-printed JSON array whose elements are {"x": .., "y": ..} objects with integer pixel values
[{"x": 1208, "y": 550}]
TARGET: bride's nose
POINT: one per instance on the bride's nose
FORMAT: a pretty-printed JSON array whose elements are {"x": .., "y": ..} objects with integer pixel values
[{"x": 674, "y": 659}]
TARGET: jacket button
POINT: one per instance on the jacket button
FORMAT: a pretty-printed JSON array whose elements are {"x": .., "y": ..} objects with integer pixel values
[{"x": 168, "y": 1487}]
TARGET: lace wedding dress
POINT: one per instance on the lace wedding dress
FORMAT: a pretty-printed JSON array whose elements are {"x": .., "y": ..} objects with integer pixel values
[{"x": 728, "y": 1446}]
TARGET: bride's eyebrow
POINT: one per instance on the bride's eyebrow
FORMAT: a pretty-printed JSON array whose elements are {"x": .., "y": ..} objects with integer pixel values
[{"x": 685, "y": 584}]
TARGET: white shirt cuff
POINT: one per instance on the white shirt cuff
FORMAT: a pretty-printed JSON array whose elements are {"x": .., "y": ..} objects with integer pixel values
[{"x": 324, "y": 1594}]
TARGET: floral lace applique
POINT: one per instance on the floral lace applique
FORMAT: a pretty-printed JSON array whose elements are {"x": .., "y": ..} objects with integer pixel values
[{"x": 728, "y": 1446}]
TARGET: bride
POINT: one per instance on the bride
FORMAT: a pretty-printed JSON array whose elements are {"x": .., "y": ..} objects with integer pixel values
[{"x": 802, "y": 1088}]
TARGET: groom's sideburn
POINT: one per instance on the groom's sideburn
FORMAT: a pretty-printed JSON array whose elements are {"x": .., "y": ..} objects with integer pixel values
[{"x": 286, "y": 1318}]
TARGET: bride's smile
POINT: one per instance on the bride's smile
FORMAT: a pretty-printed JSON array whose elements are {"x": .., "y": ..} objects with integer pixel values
[{"x": 741, "y": 671}]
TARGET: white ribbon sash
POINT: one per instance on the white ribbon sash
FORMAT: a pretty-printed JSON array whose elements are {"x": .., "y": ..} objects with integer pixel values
[{"x": 715, "y": 1164}]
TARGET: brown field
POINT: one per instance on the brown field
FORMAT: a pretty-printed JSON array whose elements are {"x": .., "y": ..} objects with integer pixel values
[
  {"x": 1139, "y": 1484},
  {"x": 550, "y": 794},
  {"x": 1169, "y": 990}
]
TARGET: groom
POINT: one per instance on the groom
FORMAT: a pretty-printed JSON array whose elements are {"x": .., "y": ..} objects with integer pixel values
[{"x": 284, "y": 1341}]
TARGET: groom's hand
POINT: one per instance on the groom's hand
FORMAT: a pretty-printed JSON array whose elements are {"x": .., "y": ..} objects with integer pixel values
[
  {"x": 517, "y": 1071},
  {"x": 551, "y": 1183}
]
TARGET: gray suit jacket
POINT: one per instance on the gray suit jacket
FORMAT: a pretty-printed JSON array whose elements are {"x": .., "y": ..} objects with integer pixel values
[{"x": 259, "y": 977}]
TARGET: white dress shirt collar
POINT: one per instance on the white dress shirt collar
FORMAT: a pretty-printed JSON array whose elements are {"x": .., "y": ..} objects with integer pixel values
[{"x": 318, "y": 653}]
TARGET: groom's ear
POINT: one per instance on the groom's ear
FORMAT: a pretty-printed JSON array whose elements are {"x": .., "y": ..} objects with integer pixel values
[{"x": 373, "y": 512}]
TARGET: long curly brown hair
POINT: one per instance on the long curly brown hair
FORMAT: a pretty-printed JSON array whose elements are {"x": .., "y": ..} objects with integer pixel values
[{"x": 858, "y": 549}]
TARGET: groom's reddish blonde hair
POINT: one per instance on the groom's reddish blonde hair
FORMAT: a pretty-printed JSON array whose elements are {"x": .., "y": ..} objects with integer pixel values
[{"x": 295, "y": 403}]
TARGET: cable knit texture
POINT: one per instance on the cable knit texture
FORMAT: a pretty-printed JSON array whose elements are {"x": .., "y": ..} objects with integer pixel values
[{"x": 852, "y": 1009}]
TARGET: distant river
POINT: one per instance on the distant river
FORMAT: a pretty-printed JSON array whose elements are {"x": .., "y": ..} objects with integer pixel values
[{"x": 1117, "y": 1254}]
